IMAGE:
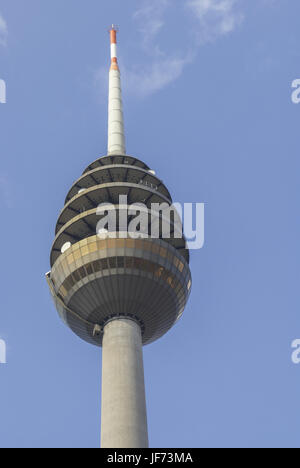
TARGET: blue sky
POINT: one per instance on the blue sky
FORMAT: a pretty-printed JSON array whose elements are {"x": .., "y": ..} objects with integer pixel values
[{"x": 207, "y": 94}]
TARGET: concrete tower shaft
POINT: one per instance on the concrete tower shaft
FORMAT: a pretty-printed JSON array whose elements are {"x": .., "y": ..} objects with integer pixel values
[{"x": 123, "y": 413}]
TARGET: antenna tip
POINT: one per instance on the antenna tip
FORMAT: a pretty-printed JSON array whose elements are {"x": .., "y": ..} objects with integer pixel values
[
  {"x": 114, "y": 28},
  {"x": 113, "y": 34}
]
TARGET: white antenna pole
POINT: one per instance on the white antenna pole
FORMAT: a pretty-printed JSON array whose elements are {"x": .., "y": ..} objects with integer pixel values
[{"x": 116, "y": 134}]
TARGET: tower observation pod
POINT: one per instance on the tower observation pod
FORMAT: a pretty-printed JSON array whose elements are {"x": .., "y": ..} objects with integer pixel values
[{"x": 116, "y": 286}]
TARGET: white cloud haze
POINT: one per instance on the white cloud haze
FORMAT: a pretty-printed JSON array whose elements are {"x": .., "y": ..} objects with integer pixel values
[
  {"x": 155, "y": 76},
  {"x": 150, "y": 18},
  {"x": 212, "y": 19},
  {"x": 3, "y": 31},
  {"x": 207, "y": 20},
  {"x": 216, "y": 17}
]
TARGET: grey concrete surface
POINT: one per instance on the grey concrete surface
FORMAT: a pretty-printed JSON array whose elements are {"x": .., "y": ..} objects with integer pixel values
[{"x": 123, "y": 414}]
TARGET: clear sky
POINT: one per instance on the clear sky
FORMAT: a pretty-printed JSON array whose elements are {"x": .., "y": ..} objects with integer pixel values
[{"x": 207, "y": 94}]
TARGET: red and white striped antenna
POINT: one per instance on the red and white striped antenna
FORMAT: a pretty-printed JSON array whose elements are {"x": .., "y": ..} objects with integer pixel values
[
  {"x": 113, "y": 46},
  {"x": 116, "y": 133}
]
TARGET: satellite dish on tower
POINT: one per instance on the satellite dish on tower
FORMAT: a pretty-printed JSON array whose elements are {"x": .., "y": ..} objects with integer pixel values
[{"x": 65, "y": 247}]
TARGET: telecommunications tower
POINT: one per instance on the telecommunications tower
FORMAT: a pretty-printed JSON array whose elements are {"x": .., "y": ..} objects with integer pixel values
[{"x": 113, "y": 287}]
